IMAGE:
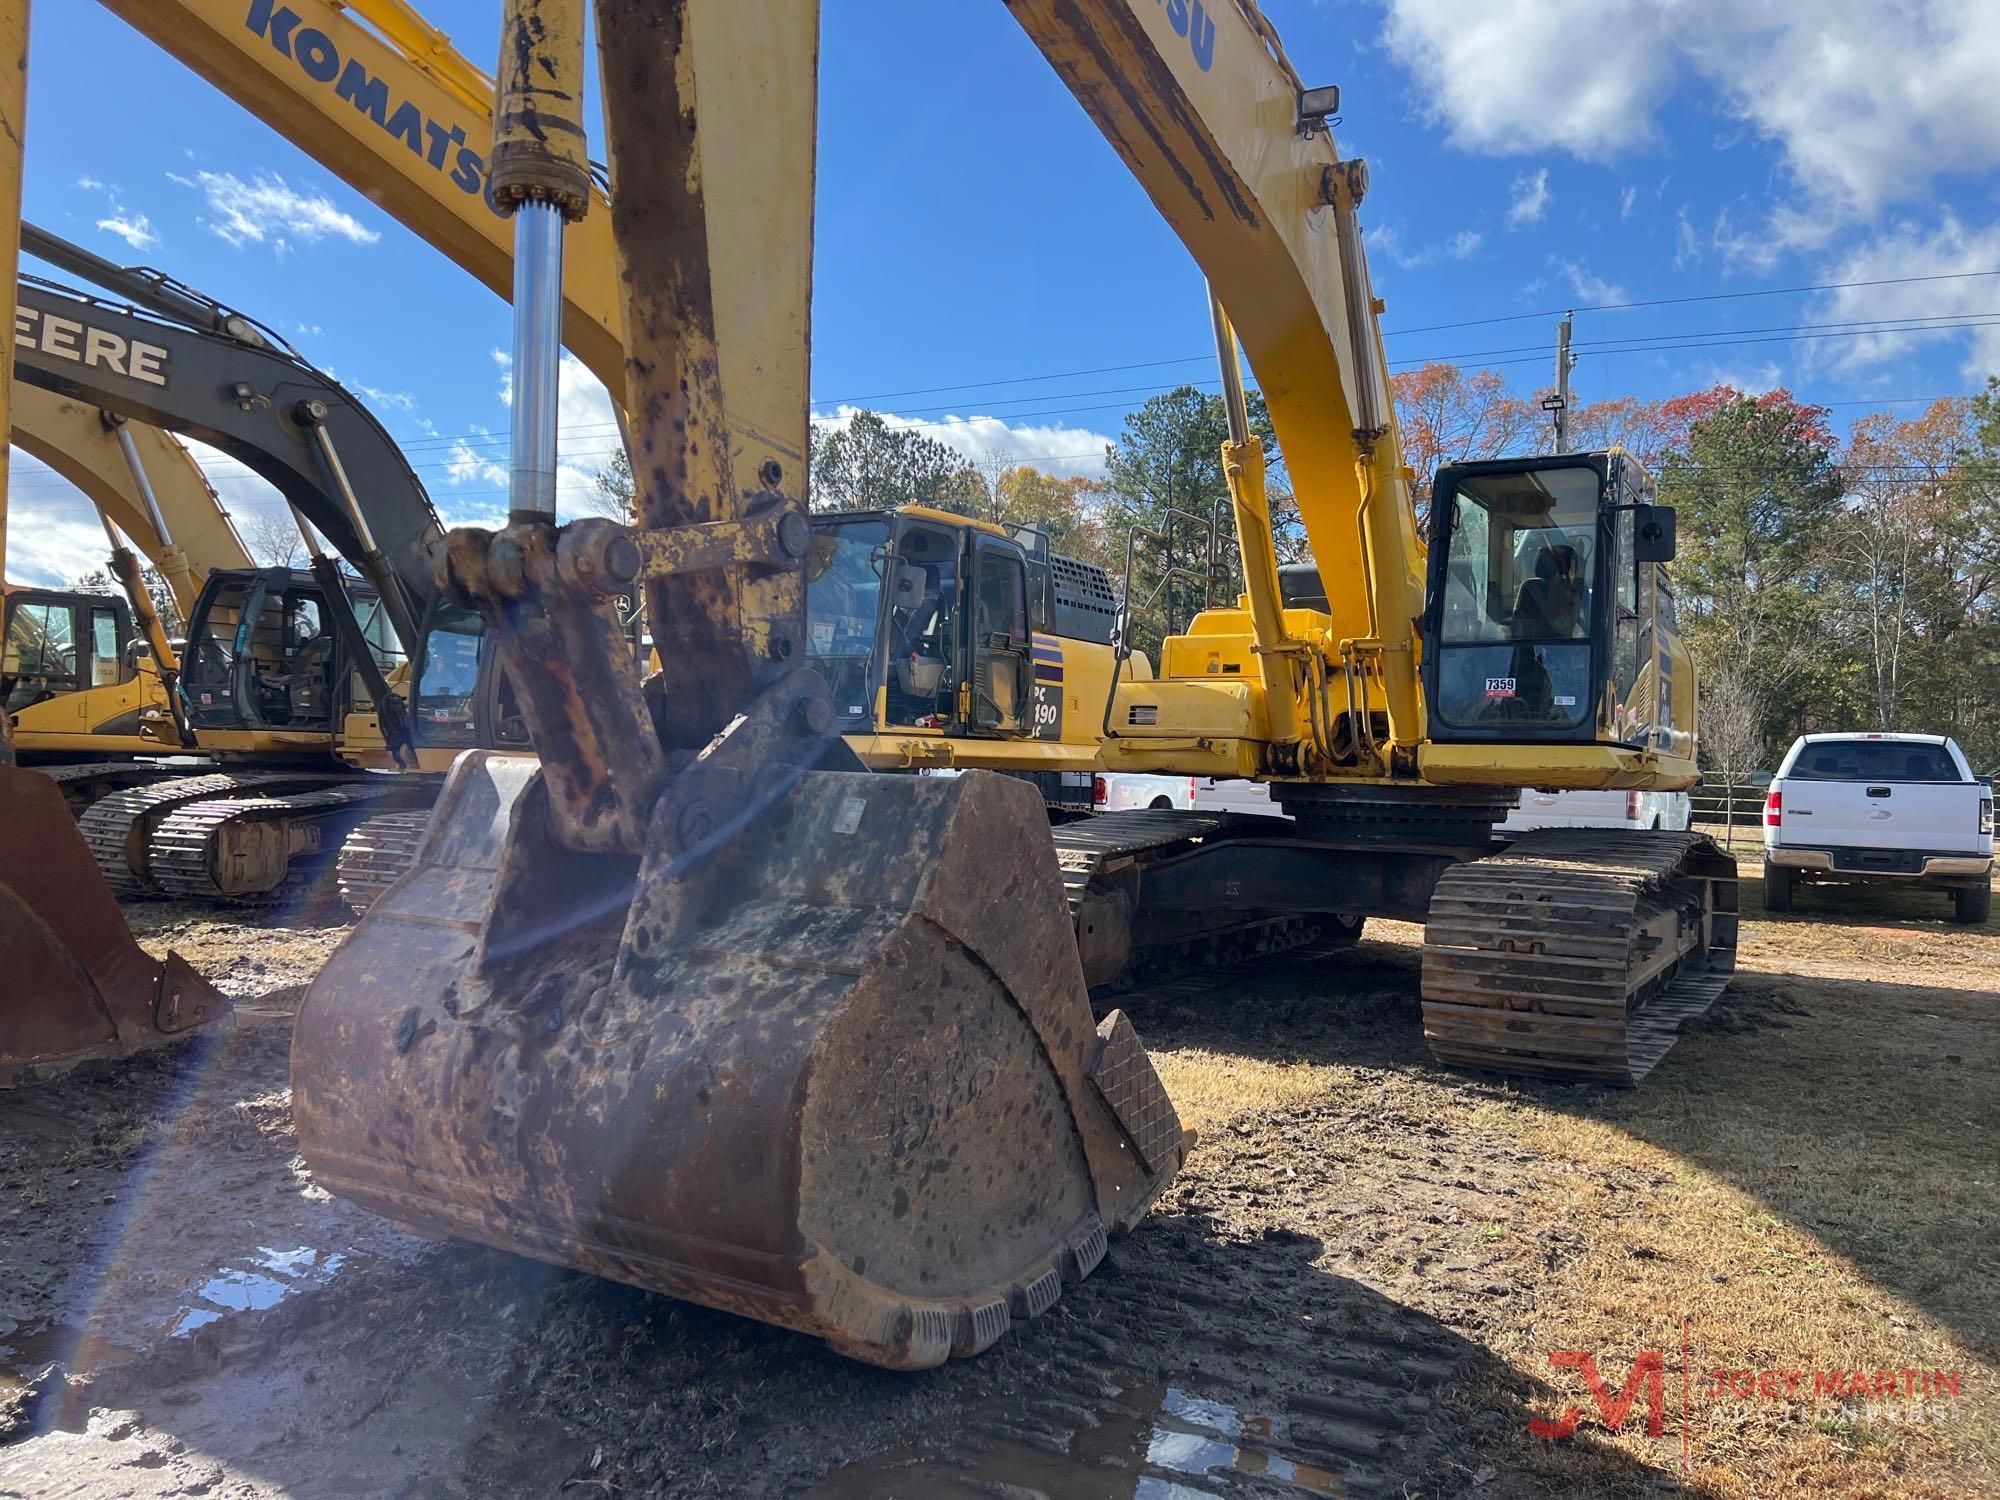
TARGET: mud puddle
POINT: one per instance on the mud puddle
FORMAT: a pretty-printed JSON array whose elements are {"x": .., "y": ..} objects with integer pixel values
[
  {"x": 267, "y": 1279},
  {"x": 1151, "y": 1443}
]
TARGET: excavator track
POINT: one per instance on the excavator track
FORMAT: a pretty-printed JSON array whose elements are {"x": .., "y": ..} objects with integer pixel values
[
  {"x": 254, "y": 850},
  {"x": 375, "y": 855},
  {"x": 1578, "y": 953},
  {"x": 119, "y": 827},
  {"x": 84, "y": 783},
  {"x": 1104, "y": 861}
]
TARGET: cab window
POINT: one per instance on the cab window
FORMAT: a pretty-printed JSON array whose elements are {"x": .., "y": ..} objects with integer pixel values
[
  {"x": 924, "y": 618},
  {"x": 41, "y": 653},
  {"x": 104, "y": 665},
  {"x": 844, "y": 572},
  {"x": 1519, "y": 576}
]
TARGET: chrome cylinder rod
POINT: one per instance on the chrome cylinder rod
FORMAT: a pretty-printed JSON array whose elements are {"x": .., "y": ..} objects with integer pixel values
[
  {"x": 142, "y": 482},
  {"x": 538, "y": 279}
]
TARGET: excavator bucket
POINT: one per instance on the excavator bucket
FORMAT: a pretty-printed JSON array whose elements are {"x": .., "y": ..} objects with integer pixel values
[
  {"x": 822, "y": 1057},
  {"x": 73, "y": 984}
]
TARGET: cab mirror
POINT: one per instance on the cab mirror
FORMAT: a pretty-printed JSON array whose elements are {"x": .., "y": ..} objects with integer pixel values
[{"x": 1653, "y": 534}]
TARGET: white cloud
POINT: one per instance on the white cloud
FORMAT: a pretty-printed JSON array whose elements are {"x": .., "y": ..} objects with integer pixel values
[
  {"x": 1506, "y": 76},
  {"x": 1909, "y": 250},
  {"x": 1761, "y": 246},
  {"x": 1530, "y": 197},
  {"x": 1625, "y": 200},
  {"x": 1058, "y": 449},
  {"x": 1752, "y": 380},
  {"x": 268, "y": 209},
  {"x": 135, "y": 230},
  {"x": 1589, "y": 288},
  {"x": 401, "y": 401},
  {"x": 1867, "y": 100},
  {"x": 1388, "y": 241},
  {"x": 466, "y": 464},
  {"x": 1687, "y": 247},
  {"x": 53, "y": 532}
]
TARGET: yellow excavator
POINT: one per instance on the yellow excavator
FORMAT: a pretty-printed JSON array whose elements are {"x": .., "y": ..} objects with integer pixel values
[
  {"x": 692, "y": 1001},
  {"x": 1341, "y": 706}
]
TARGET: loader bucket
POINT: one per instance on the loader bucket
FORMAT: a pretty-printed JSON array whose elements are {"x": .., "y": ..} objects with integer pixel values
[
  {"x": 830, "y": 1065},
  {"x": 73, "y": 984}
]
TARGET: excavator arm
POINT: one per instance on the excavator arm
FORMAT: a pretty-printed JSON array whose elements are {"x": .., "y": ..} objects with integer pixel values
[
  {"x": 1205, "y": 109},
  {"x": 379, "y": 97},
  {"x": 294, "y": 426}
]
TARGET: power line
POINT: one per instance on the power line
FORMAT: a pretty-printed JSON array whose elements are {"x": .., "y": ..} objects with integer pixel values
[
  {"x": 1792, "y": 291},
  {"x": 1017, "y": 409},
  {"x": 1780, "y": 291}
]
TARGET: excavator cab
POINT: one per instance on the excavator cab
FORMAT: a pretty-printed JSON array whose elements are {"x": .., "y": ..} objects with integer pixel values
[
  {"x": 1546, "y": 603},
  {"x": 918, "y": 619},
  {"x": 265, "y": 655},
  {"x": 462, "y": 697},
  {"x": 59, "y": 644},
  {"x": 75, "y": 679}
]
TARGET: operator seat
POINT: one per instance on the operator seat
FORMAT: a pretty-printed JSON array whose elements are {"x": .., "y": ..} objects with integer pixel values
[
  {"x": 918, "y": 617},
  {"x": 309, "y": 686},
  {"x": 1547, "y": 604}
]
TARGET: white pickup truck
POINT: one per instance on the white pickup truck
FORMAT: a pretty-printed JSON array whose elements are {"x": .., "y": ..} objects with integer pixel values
[{"x": 1879, "y": 808}]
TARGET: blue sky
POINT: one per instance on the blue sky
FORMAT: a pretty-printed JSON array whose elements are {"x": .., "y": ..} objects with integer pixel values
[{"x": 1526, "y": 155}]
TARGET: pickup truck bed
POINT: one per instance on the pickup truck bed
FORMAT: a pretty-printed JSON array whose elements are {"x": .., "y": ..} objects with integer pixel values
[{"x": 1902, "y": 809}]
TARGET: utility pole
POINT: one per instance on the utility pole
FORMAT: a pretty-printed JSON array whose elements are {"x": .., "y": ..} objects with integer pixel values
[{"x": 1565, "y": 362}]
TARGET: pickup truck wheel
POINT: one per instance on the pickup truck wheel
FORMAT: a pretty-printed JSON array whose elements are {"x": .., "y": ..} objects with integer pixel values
[
  {"x": 1159, "y": 804},
  {"x": 1972, "y": 907},
  {"x": 1777, "y": 888}
]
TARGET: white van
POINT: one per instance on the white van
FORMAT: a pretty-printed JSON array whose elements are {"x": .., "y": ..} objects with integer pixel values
[
  {"x": 1662, "y": 811},
  {"x": 1125, "y": 791}
]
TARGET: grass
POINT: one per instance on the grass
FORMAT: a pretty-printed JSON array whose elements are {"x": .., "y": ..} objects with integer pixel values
[{"x": 1807, "y": 1184}]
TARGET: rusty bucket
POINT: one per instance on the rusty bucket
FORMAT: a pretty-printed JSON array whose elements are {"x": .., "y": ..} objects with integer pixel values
[
  {"x": 73, "y": 984},
  {"x": 828, "y": 1063}
]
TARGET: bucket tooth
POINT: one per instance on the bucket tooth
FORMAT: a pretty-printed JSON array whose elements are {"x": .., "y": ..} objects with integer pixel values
[
  {"x": 827, "y": 1061},
  {"x": 75, "y": 983}
]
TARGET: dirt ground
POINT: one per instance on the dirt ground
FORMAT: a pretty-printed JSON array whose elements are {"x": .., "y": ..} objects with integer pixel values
[{"x": 1356, "y": 1287}]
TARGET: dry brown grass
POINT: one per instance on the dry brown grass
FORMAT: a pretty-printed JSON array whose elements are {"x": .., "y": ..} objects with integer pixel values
[{"x": 1808, "y": 1183}]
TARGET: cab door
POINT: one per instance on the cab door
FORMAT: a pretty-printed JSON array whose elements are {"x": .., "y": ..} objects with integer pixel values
[
  {"x": 1630, "y": 695},
  {"x": 107, "y": 636},
  {"x": 42, "y": 662},
  {"x": 1002, "y": 644}
]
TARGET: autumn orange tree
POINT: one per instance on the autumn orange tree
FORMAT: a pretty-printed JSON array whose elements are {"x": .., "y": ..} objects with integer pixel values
[{"x": 1445, "y": 414}]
